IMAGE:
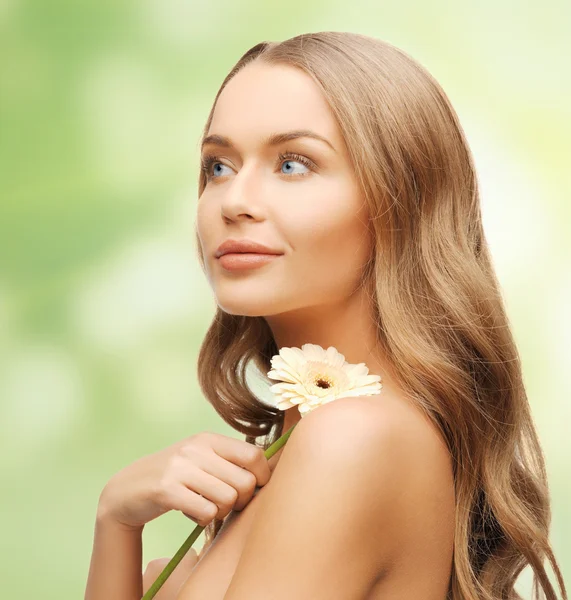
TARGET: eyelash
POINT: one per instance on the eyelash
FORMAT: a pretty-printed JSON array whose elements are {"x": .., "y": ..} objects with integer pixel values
[{"x": 209, "y": 159}]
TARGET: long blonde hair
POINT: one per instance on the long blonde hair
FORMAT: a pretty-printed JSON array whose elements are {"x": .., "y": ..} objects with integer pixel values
[{"x": 441, "y": 321}]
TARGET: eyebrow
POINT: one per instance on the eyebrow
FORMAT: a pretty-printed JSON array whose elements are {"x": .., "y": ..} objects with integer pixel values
[{"x": 272, "y": 140}]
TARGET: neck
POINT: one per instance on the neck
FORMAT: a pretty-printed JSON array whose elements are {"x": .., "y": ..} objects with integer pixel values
[{"x": 348, "y": 326}]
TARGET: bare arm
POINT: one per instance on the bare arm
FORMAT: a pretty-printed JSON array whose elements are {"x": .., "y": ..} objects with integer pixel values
[
  {"x": 115, "y": 572},
  {"x": 175, "y": 478}
]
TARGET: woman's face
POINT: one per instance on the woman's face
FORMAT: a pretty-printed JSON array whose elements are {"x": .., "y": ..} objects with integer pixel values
[{"x": 314, "y": 215}]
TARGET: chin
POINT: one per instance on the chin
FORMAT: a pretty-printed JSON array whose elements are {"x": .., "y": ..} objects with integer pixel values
[{"x": 259, "y": 308}]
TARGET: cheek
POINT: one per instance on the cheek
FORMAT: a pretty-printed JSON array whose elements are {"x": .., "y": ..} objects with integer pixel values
[
  {"x": 204, "y": 221},
  {"x": 206, "y": 232},
  {"x": 331, "y": 240},
  {"x": 201, "y": 217}
]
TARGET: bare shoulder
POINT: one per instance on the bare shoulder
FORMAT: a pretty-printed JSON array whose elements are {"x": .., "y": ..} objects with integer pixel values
[
  {"x": 396, "y": 448},
  {"x": 407, "y": 489},
  {"x": 387, "y": 419},
  {"x": 371, "y": 476}
]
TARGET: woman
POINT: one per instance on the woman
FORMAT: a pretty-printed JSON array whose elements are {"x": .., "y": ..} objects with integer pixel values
[{"x": 343, "y": 156}]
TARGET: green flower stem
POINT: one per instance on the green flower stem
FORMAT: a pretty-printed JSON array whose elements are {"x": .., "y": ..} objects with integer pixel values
[{"x": 158, "y": 583}]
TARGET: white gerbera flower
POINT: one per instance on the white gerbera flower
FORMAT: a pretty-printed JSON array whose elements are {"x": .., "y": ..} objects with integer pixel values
[{"x": 313, "y": 376}]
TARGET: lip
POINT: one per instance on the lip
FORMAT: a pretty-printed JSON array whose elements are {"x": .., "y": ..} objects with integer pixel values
[
  {"x": 245, "y": 260},
  {"x": 245, "y": 246}
]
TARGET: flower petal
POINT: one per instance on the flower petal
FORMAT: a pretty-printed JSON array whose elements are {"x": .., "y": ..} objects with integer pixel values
[
  {"x": 283, "y": 375},
  {"x": 355, "y": 371},
  {"x": 369, "y": 391},
  {"x": 293, "y": 357},
  {"x": 314, "y": 352},
  {"x": 335, "y": 358},
  {"x": 304, "y": 409},
  {"x": 367, "y": 380},
  {"x": 284, "y": 405}
]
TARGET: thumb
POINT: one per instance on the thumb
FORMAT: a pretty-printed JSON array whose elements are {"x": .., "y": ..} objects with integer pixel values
[
  {"x": 176, "y": 579},
  {"x": 191, "y": 555}
]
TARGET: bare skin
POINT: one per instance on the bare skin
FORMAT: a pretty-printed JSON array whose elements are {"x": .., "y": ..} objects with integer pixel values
[{"x": 316, "y": 218}]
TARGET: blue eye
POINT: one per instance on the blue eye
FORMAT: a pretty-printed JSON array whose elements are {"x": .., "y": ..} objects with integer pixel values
[
  {"x": 219, "y": 164},
  {"x": 285, "y": 162},
  {"x": 208, "y": 161}
]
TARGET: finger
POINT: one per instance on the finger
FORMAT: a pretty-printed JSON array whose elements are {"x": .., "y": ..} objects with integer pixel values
[
  {"x": 196, "y": 507},
  {"x": 244, "y": 455},
  {"x": 241, "y": 480},
  {"x": 212, "y": 488}
]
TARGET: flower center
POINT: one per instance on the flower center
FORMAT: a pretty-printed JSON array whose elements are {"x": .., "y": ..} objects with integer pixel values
[{"x": 323, "y": 383}]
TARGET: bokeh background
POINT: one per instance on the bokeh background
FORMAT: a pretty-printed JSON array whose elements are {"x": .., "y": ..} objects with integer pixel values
[{"x": 103, "y": 305}]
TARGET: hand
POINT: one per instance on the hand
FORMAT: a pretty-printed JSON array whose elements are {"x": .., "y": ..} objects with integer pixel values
[
  {"x": 204, "y": 476},
  {"x": 172, "y": 586}
]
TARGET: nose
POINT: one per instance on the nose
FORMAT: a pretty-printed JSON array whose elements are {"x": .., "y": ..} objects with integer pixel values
[{"x": 241, "y": 198}]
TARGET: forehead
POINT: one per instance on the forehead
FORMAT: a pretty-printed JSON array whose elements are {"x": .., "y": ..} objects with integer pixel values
[{"x": 262, "y": 99}]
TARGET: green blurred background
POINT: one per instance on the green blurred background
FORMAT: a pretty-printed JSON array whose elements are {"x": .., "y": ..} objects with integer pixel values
[{"x": 103, "y": 305}]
